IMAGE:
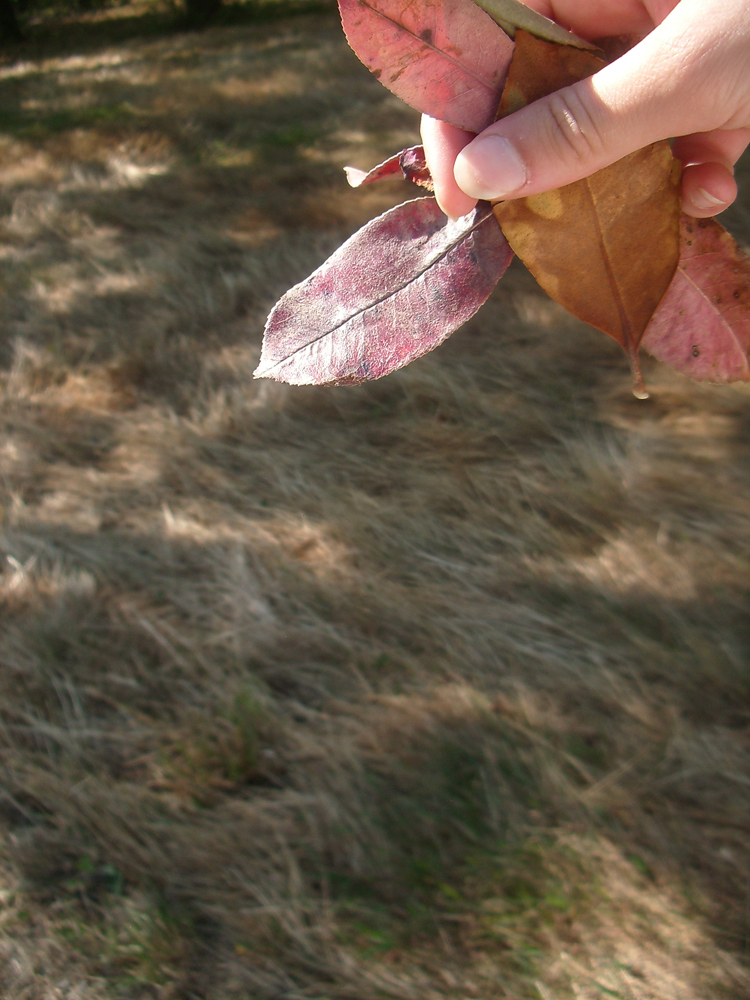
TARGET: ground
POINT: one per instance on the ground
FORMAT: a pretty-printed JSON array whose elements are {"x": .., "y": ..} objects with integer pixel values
[{"x": 434, "y": 687}]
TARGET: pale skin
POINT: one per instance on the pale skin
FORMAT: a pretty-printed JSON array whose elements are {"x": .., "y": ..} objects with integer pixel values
[{"x": 687, "y": 79}]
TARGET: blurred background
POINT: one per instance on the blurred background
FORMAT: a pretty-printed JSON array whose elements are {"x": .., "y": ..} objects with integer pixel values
[{"x": 436, "y": 687}]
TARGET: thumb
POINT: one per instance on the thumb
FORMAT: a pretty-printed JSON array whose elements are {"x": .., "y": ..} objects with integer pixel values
[{"x": 655, "y": 91}]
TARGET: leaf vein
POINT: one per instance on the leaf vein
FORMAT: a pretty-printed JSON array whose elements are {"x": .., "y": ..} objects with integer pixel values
[
  {"x": 707, "y": 297},
  {"x": 624, "y": 319},
  {"x": 441, "y": 52},
  {"x": 391, "y": 294}
]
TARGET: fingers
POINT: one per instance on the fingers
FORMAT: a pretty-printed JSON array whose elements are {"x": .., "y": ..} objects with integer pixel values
[
  {"x": 688, "y": 77},
  {"x": 718, "y": 146},
  {"x": 570, "y": 134},
  {"x": 442, "y": 143},
  {"x": 604, "y": 18},
  {"x": 707, "y": 189},
  {"x": 676, "y": 81},
  {"x": 708, "y": 185}
]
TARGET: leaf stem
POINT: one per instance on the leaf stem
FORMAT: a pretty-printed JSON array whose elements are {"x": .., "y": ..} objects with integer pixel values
[{"x": 639, "y": 386}]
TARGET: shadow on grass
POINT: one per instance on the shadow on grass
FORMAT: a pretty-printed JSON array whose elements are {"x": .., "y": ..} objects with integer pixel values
[
  {"x": 67, "y": 35},
  {"x": 147, "y": 750}
]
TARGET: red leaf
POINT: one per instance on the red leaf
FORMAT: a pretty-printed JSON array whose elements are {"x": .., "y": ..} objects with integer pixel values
[
  {"x": 446, "y": 58},
  {"x": 702, "y": 325},
  {"x": 394, "y": 291},
  {"x": 409, "y": 165}
]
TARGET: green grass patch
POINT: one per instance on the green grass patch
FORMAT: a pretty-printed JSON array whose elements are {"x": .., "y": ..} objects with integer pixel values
[{"x": 39, "y": 126}]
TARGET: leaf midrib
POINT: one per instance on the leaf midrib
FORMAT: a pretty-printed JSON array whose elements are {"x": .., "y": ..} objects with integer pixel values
[{"x": 627, "y": 330}]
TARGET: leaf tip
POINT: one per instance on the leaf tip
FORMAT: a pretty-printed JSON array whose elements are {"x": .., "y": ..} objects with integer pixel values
[
  {"x": 264, "y": 370},
  {"x": 354, "y": 176}
]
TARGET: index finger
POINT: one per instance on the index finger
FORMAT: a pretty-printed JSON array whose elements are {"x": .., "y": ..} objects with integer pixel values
[{"x": 601, "y": 18}]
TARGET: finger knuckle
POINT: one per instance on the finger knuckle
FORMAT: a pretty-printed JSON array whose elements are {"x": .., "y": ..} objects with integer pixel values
[{"x": 572, "y": 128}]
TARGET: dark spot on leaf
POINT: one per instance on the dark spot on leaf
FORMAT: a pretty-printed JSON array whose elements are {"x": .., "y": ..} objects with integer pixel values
[
  {"x": 696, "y": 351},
  {"x": 718, "y": 298},
  {"x": 737, "y": 294},
  {"x": 426, "y": 36},
  {"x": 689, "y": 243}
]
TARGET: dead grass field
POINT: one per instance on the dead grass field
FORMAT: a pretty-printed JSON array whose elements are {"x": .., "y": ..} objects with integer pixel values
[{"x": 431, "y": 688}]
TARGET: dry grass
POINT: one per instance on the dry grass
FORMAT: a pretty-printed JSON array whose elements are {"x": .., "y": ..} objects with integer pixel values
[{"x": 435, "y": 687}]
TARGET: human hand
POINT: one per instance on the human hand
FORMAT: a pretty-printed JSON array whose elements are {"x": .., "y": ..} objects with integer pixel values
[{"x": 688, "y": 77}]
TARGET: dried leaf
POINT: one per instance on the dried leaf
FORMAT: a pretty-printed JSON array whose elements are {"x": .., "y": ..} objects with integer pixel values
[
  {"x": 702, "y": 326},
  {"x": 409, "y": 165},
  {"x": 539, "y": 68},
  {"x": 511, "y": 15},
  {"x": 392, "y": 292},
  {"x": 605, "y": 247},
  {"x": 446, "y": 58}
]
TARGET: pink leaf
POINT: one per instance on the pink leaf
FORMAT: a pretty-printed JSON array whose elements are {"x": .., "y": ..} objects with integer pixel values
[
  {"x": 702, "y": 325},
  {"x": 409, "y": 165},
  {"x": 392, "y": 292},
  {"x": 446, "y": 58}
]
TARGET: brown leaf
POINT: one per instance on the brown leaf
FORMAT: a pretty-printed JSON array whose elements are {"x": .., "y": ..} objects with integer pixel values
[
  {"x": 605, "y": 247},
  {"x": 539, "y": 68}
]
